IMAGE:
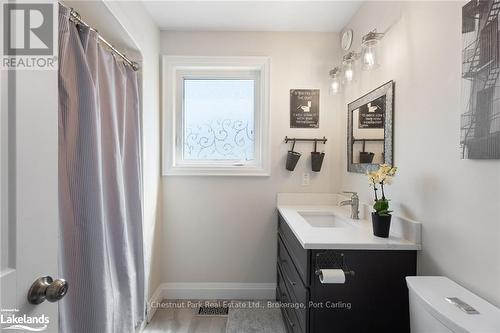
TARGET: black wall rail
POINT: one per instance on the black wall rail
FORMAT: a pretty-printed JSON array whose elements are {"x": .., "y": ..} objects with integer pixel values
[{"x": 323, "y": 140}]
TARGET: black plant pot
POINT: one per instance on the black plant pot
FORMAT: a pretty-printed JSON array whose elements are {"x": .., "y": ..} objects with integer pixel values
[
  {"x": 366, "y": 157},
  {"x": 317, "y": 161},
  {"x": 381, "y": 225},
  {"x": 291, "y": 160}
]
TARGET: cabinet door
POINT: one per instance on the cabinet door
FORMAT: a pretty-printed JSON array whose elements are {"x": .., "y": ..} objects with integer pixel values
[
  {"x": 290, "y": 315},
  {"x": 375, "y": 299},
  {"x": 292, "y": 276},
  {"x": 299, "y": 255}
]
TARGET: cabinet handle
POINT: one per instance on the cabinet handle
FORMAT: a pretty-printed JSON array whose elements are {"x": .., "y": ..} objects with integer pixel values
[
  {"x": 288, "y": 319},
  {"x": 286, "y": 276},
  {"x": 289, "y": 280}
]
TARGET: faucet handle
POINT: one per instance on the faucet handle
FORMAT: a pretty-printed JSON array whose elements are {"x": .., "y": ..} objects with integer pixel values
[{"x": 353, "y": 194}]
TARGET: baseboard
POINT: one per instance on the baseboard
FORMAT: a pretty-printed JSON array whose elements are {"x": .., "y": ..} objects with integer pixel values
[
  {"x": 235, "y": 291},
  {"x": 142, "y": 327},
  {"x": 153, "y": 302}
]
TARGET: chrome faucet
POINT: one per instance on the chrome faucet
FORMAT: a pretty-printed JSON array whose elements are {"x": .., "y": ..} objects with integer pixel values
[{"x": 354, "y": 203}]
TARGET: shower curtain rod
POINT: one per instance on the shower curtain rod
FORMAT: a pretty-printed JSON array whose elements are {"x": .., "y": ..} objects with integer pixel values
[{"x": 75, "y": 17}]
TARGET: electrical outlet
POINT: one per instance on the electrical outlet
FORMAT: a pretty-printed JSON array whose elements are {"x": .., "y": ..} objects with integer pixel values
[{"x": 306, "y": 179}]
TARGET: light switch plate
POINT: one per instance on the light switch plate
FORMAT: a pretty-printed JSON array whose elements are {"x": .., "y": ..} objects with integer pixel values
[{"x": 306, "y": 179}]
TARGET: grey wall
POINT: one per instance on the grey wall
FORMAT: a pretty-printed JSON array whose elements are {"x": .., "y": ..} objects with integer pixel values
[
  {"x": 223, "y": 229},
  {"x": 458, "y": 201}
]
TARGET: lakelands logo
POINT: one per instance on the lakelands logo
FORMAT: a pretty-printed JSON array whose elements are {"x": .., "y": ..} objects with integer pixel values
[
  {"x": 28, "y": 36},
  {"x": 12, "y": 321}
]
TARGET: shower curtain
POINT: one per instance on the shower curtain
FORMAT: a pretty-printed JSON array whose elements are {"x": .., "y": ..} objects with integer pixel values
[{"x": 100, "y": 186}]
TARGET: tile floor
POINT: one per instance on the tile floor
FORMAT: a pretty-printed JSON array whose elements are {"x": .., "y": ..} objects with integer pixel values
[{"x": 179, "y": 316}]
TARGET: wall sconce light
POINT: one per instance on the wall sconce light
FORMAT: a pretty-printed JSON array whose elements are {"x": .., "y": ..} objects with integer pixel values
[
  {"x": 348, "y": 67},
  {"x": 370, "y": 50},
  {"x": 335, "y": 81}
]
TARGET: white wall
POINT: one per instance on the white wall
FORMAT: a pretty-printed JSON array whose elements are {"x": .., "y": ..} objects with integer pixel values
[
  {"x": 146, "y": 35},
  {"x": 223, "y": 229},
  {"x": 458, "y": 201}
]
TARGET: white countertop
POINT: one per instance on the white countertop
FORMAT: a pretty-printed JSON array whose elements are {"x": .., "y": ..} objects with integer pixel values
[{"x": 404, "y": 234}]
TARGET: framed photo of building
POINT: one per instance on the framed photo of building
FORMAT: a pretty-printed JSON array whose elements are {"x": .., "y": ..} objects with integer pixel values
[{"x": 480, "y": 119}]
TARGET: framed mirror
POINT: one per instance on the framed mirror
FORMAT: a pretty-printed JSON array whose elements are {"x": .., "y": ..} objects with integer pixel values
[{"x": 370, "y": 132}]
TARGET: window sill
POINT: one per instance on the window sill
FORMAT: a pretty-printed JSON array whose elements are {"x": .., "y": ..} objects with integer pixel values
[{"x": 217, "y": 171}]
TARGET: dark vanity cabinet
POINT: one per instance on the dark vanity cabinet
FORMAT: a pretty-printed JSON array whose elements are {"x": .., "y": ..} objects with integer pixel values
[{"x": 373, "y": 299}]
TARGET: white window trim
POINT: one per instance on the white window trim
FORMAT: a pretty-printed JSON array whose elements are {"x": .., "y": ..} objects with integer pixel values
[{"x": 172, "y": 66}]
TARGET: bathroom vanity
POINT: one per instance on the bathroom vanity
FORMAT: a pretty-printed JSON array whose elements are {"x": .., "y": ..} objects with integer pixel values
[{"x": 315, "y": 234}]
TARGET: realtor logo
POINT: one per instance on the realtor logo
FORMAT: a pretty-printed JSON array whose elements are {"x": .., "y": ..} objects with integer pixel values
[
  {"x": 29, "y": 34},
  {"x": 12, "y": 319},
  {"x": 28, "y": 29}
]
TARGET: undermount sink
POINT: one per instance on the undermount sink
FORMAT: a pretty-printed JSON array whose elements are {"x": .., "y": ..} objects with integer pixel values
[{"x": 323, "y": 220}]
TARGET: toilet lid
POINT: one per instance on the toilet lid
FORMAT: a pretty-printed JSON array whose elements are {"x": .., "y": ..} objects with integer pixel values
[{"x": 432, "y": 292}]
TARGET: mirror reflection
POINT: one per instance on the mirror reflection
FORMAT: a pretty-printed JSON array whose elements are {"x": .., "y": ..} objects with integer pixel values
[
  {"x": 370, "y": 129},
  {"x": 368, "y": 132}
]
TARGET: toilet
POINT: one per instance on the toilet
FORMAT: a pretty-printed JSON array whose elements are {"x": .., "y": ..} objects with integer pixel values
[{"x": 432, "y": 312}]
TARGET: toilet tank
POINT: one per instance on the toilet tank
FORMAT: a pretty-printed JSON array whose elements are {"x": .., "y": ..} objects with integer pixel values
[{"x": 431, "y": 312}]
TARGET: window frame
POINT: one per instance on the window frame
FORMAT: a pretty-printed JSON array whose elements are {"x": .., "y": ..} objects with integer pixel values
[{"x": 178, "y": 68}]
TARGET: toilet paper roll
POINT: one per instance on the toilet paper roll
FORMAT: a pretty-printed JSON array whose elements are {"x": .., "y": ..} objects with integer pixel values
[{"x": 331, "y": 276}]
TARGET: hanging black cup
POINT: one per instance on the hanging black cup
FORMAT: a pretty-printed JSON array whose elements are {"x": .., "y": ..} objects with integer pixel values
[
  {"x": 365, "y": 156},
  {"x": 316, "y": 158},
  {"x": 292, "y": 158}
]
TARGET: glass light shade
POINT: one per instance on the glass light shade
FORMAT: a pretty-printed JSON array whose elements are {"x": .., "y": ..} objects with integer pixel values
[
  {"x": 370, "y": 55},
  {"x": 335, "y": 81},
  {"x": 348, "y": 70},
  {"x": 335, "y": 85}
]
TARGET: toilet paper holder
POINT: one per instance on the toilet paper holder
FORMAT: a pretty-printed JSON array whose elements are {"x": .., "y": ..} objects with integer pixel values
[
  {"x": 346, "y": 272},
  {"x": 331, "y": 261}
]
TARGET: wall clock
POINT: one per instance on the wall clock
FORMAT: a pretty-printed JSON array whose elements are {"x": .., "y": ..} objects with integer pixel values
[{"x": 346, "y": 41}]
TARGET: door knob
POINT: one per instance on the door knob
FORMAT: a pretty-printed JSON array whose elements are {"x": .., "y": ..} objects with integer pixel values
[{"x": 45, "y": 288}]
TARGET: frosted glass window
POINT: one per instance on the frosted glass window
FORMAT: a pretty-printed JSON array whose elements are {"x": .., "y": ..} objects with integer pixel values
[
  {"x": 216, "y": 116},
  {"x": 218, "y": 119}
]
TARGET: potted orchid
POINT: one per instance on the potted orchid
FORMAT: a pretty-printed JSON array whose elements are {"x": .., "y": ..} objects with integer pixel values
[{"x": 381, "y": 217}]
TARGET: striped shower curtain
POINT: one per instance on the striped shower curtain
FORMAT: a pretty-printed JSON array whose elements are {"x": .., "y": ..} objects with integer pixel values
[{"x": 99, "y": 185}]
